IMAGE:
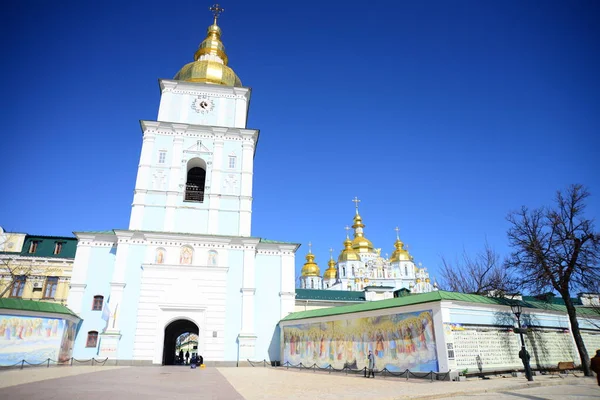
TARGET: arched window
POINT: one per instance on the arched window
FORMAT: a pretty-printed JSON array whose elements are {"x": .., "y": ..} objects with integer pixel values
[
  {"x": 312, "y": 284},
  {"x": 92, "y": 339},
  {"x": 196, "y": 178},
  {"x": 405, "y": 270},
  {"x": 97, "y": 305},
  {"x": 343, "y": 271}
]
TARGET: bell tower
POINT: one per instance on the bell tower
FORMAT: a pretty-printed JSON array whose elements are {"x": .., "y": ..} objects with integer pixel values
[{"x": 197, "y": 159}]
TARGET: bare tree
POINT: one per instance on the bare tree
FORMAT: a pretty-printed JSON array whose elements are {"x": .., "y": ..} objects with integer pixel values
[
  {"x": 12, "y": 266},
  {"x": 483, "y": 274},
  {"x": 556, "y": 248}
]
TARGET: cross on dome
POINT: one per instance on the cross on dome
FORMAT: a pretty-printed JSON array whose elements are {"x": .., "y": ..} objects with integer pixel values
[
  {"x": 216, "y": 10},
  {"x": 356, "y": 201},
  {"x": 397, "y": 233},
  {"x": 347, "y": 228},
  {"x": 309, "y": 247}
]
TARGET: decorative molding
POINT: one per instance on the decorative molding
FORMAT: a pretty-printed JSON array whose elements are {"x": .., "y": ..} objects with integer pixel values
[{"x": 182, "y": 307}]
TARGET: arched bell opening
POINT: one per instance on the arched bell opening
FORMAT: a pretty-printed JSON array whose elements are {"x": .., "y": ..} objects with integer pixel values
[{"x": 196, "y": 180}]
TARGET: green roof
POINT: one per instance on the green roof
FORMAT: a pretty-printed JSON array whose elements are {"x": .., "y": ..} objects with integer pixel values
[
  {"x": 109, "y": 232},
  {"x": 432, "y": 297},
  {"x": 263, "y": 240},
  {"x": 329, "y": 295},
  {"x": 45, "y": 247},
  {"x": 35, "y": 306}
]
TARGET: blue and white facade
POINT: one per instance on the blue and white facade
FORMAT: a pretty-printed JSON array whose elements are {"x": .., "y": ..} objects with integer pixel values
[{"x": 188, "y": 253}]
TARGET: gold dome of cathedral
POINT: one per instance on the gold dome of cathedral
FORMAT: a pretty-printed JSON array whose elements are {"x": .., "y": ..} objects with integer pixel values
[
  {"x": 400, "y": 253},
  {"x": 210, "y": 60},
  {"x": 360, "y": 243},
  {"x": 331, "y": 272},
  {"x": 348, "y": 254},
  {"x": 310, "y": 267}
]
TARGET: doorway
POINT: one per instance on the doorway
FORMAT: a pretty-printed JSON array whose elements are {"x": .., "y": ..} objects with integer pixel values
[{"x": 173, "y": 331}]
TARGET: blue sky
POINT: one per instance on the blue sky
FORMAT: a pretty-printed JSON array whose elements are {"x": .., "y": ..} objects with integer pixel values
[{"x": 441, "y": 116}]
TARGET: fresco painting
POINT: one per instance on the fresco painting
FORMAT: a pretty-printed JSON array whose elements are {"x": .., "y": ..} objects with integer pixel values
[
  {"x": 398, "y": 341},
  {"x": 35, "y": 339}
]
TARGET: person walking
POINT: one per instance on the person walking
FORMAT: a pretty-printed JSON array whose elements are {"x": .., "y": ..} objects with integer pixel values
[
  {"x": 181, "y": 356},
  {"x": 187, "y": 357},
  {"x": 595, "y": 365},
  {"x": 371, "y": 359}
]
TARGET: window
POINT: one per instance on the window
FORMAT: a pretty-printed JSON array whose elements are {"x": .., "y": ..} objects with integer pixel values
[
  {"x": 18, "y": 286},
  {"x": 450, "y": 350},
  {"x": 92, "y": 339},
  {"x": 97, "y": 306},
  {"x": 33, "y": 246},
  {"x": 58, "y": 247},
  {"x": 231, "y": 162},
  {"x": 162, "y": 156},
  {"x": 50, "y": 289},
  {"x": 405, "y": 270}
]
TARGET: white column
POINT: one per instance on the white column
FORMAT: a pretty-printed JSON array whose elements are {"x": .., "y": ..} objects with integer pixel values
[
  {"x": 141, "y": 184},
  {"x": 246, "y": 189},
  {"x": 248, "y": 291},
  {"x": 78, "y": 277},
  {"x": 174, "y": 190},
  {"x": 288, "y": 291},
  {"x": 215, "y": 186},
  {"x": 117, "y": 284}
]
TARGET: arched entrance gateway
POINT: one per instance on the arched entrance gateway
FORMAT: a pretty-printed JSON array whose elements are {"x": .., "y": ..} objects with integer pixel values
[{"x": 172, "y": 332}]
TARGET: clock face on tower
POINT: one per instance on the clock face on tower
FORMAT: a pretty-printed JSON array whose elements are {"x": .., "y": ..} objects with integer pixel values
[{"x": 203, "y": 105}]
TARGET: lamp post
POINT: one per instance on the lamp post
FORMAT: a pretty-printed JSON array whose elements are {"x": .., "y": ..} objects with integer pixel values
[{"x": 523, "y": 354}]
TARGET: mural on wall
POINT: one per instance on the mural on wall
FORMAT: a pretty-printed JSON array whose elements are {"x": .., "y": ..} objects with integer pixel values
[
  {"x": 398, "y": 341},
  {"x": 35, "y": 339}
]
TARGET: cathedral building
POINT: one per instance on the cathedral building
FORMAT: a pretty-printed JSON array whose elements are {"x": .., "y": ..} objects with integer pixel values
[
  {"x": 360, "y": 267},
  {"x": 188, "y": 261}
]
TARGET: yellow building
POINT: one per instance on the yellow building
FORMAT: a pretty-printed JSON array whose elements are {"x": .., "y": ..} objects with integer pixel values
[{"x": 36, "y": 267}]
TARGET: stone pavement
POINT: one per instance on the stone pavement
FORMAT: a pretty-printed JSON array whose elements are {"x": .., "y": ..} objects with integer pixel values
[{"x": 176, "y": 382}]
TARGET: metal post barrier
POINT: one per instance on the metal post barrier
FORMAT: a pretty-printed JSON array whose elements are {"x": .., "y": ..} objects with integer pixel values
[
  {"x": 22, "y": 364},
  {"x": 92, "y": 361},
  {"x": 71, "y": 361},
  {"x": 48, "y": 364}
]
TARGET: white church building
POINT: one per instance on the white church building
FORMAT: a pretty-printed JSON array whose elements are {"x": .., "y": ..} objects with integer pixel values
[
  {"x": 188, "y": 262},
  {"x": 361, "y": 267}
]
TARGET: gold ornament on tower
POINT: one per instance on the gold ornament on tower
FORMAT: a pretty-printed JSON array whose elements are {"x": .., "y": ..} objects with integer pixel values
[{"x": 210, "y": 65}]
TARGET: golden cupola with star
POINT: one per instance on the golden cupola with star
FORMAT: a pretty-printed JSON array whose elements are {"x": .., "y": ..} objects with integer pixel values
[{"x": 210, "y": 60}]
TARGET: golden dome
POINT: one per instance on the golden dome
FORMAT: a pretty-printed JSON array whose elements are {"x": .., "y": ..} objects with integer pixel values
[
  {"x": 348, "y": 254},
  {"x": 331, "y": 272},
  {"x": 210, "y": 65},
  {"x": 310, "y": 268},
  {"x": 360, "y": 242},
  {"x": 400, "y": 253},
  {"x": 427, "y": 280},
  {"x": 418, "y": 280}
]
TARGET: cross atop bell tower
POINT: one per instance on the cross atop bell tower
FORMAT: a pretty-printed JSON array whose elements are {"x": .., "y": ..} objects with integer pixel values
[{"x": 217, "y": 10}]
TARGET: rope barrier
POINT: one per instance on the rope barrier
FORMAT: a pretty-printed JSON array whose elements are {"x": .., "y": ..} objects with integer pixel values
[
  {"x": 431, "y": 375},
  {"x": 21, "y": 364}
]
